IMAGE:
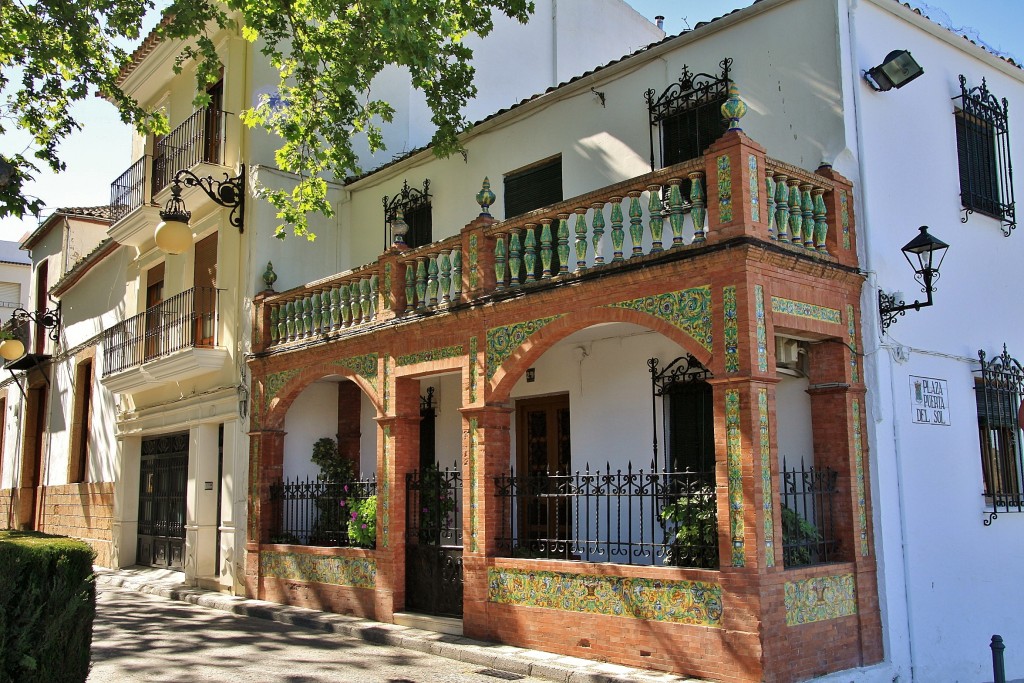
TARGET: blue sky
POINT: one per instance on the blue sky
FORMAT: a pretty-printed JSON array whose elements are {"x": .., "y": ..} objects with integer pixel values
[{"x": 101, "y": 151}]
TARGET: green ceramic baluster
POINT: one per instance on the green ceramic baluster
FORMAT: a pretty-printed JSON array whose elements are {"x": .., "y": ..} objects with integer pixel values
[
  {"x": 781, "y": 208},
  {"x": 675, "y": 211},
  {"x": 432, "y": 271},
  {"x": 820, "y": 220},
  {"x": 796, "y": 219},
  {"x": 335, "y": 307},
  {"x": 444, "y": 265},
  {"x": 421, "y": 283},
  {"x": 410, "y": 287},
  {"x": 499, "y": 262},
  {"x": 698, "y": 210},
  {"x": 374, "y": 293},
  {"x": 581, "y": 240},
  {"x": 545, "y": 248},
  {"x": 282, "y": 323},
  {"x": 563, "y": 243},
  {"x": 290, "y": 319},
  {"x": 457, "y": 274},
  {"x": 364, "y": 298},
  {"x": 657, "y": 219},
  {"x": 273, "y": 323},
  {"x": 769, "y": 192},
  {"x": 307, "y": 316},
  {"x": 807, "y": 206},
  {"x": 514, "y": 257},
  {"x": 636, "y": 225},
  {"x": 325, "y": 311},
  {"x": 618, "y": 236},
  {"x": 598, "y": 225},
  {"x": 315, "y": 302},
  {"x": 530, "y": 252},
  {"x": 345, "y": 296}
]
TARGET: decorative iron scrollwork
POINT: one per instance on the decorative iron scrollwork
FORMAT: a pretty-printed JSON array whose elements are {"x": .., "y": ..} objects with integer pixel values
[
  {"x": 983, "y": 141},
  {"x": 682, "y": 369},
  {"x": 1001, "y": 388}
]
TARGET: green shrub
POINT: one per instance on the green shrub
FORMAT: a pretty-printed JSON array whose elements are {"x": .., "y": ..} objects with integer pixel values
[
  {"x": 47, "y": 605},
  {"x": 800, "y": 538},
  {"x": 362, "y": 527},
  {"x": 692, "y": 524}
]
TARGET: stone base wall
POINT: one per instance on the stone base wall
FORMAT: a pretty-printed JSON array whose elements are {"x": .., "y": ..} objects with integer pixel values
[{"x": 84, "y": 511}]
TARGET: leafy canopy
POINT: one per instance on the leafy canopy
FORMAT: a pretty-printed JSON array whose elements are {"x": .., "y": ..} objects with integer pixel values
[{"x": 327, "y": 52}]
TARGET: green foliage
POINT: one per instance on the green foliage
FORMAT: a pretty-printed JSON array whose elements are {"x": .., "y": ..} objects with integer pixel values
[
  {"x": 47, "y": 605},
  {"x": 326, "y": 55},
  {"x": 437, "y": 503},
  {"x": 694, "y": 518},
  {"x": 799, "y": 538},
  {"x": 362, "y": 527},
  {"x": 332, "y": 466}
]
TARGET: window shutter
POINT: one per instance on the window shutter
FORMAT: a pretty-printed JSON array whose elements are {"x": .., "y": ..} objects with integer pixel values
[
  {"x": 533, "y": 188},
  {"x": 206, "y": 262},
  {"x": 10, "y": 294}
]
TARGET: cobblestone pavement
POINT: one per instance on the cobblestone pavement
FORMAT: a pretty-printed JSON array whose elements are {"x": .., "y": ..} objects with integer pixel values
[{"x": 141, "y": 637}]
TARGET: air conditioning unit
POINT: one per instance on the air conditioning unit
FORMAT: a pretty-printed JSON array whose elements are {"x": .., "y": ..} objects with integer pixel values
[{"x": 790, "y": 356}]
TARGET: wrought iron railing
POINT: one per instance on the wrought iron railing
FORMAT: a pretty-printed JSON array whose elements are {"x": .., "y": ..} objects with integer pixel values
[
  {"x": 615, "y": 516},
  {"x": 128, "y": 192},
  {"x": 317, "y": 512},
  {"x": 808, "y": 498},
  {"x": 998, "y": 396},
  {"x": 434, "y": 507},
  {"x": 198, "y": 139},
  {"x": 186, "y": 320}
]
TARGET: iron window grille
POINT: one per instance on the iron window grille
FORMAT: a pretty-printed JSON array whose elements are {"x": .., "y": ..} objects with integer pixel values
[
  {"x": 690, "y": 443},
  {"x": 617, "y": 516},
  {"x": 688, "y": 114},
  {"x": 416, "y": 209},
  {"x": 808, "y": 498},
  {"x": 317, "y": 512},
  {"x": 999, "y": 390},
  {"x": 983, "y": 151},
  {"x": 533, "y": 187}
]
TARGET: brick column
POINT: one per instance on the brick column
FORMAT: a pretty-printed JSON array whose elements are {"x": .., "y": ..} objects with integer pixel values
[
  {"x": 260, "y": 321},
  {"x": 732, "y": 185},
  {"x": 486, "y": 454},
  {"x": 397, "y": 454},
  {"x": 476, "y": 246},
  {"x": 349, "y": 404},
  {"x": 840, "y": 216},
  {"x": 266, "y": 457}
]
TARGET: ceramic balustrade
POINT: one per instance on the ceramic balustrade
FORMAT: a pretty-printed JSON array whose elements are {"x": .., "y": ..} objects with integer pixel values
[
  {"x": 324, "y": 307},
  {"x": 797, "y": 211},
  {"x": 433, "y": 276}
]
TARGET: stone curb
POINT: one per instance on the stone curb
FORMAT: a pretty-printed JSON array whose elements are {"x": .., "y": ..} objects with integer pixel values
[{"x": 506, "y": 658}]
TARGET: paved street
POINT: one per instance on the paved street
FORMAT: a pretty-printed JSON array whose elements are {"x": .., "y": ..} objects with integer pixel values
[{"x": 141, "y": 637}]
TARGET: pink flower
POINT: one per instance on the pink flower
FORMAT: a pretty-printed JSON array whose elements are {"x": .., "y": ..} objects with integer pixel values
[
  {"x": 354, "y": 514},
  {"x": 342, "y": 503},
  {"x": 426, "y": 509},
  {"x": 364, "y": 526}
]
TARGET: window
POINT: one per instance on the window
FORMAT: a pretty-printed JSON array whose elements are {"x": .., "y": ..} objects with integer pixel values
[
  {"x": 999, "y": 390},
  {"x": 81, "y": 427},
  {"x": 42, "y": 287},
  {"x": 415, "y": 206},
  {"x": 983, "y": 152},
  {"x": 533, "y": 187},
  {"x": 688, "y": 114}
]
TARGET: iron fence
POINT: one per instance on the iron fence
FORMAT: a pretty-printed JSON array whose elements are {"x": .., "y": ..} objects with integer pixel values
[
  {"x": 128, "y": 192},
  {"x": 196, "y": 140},
  {"x": 623, "y": 517},
  {"x": 808, "y": 515},
  {"x": 185, "y": 320},
  {"x": 434, "y": 507},
  {"x": 316, "y": 512}
]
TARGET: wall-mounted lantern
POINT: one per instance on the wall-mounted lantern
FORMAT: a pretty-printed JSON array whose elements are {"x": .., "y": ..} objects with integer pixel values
[
  {"x": 924, "y": 249},
  {"x": 173, "y": 234},
  {"x": 49, "y": 319}
]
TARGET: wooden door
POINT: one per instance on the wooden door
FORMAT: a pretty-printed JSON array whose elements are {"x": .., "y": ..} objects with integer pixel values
[
  {"x": 205, "y": 292},
  {"x": 154, "y": 296},
  {"x": 544, "y": 458},
  {"x": 213, "y": 126}
]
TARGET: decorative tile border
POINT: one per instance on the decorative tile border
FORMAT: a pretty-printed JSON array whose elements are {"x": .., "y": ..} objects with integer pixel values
[
  {"x": 858, "y": 455},
  {"x": 820, "y": 599},
  {"x": 432, "y": 354},
  {"x": 681, "y": 602},
  {"x": 766, "y": 477},
  {"x": 503, "y": 341},
  {"x": 387, "y": 285},
  {"x": 473, "y": 351},
  {"x": 254, "y": 491},
  {"x": 724, "y": 189},
  {"x": 844, "y": 217},
  {"x": 473, "y": 426},
  {"x": 385, "y": 489},
  {"x": 755, "y": 201},
  {"x": 357, "y": 572},
  {"x": 732, "y": 334},
  {"x": 734, "y": 460},
  {"x": 364, "y": 365},
  {"x": 274, "y": 382},
  {"x": 801, "y": 309},
  {"x": 851, "y": 331},
  {"x": 386, "y": 398},
  {"x": 687, "y": 309},
  {"x": 474, "y": 276},
  {"x": 762, "y": 334}
]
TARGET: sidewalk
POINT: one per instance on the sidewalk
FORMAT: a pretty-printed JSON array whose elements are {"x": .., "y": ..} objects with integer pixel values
[{"x": 504, "y": 658}]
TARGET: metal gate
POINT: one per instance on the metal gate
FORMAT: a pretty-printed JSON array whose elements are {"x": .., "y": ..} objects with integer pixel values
[
  {"x": 433, "y": 569},
  {"x": 162, "y": 482}
]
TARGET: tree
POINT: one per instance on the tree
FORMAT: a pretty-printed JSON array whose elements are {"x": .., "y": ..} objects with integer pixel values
[{"x": 53, "y": 53}]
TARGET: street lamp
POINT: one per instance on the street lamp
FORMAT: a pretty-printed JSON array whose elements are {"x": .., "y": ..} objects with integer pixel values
[
  {"x": 173, "y": 234},
  {"x": 923, "y": 248}
]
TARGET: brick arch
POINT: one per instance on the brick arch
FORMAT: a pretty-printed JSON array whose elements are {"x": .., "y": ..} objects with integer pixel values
[
  {"x": 275, "y": 414},
  {"x": 540, "y": 342}
]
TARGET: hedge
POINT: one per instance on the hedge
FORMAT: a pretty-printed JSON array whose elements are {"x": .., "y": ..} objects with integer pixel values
[{"x": 47, "y": 605}]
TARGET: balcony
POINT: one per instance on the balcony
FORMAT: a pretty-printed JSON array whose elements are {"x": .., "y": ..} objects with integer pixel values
[
  {"x": 135, "y": 196},
  {"x": 174, "y": 340}
]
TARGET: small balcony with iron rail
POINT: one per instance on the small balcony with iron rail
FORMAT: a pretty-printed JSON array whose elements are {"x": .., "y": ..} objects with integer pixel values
[
  {"x": 196, "y": 145},
  {"x": 174, "y": 340}
]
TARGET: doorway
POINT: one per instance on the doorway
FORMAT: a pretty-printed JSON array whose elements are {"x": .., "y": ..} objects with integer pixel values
[
  {"x": 162, "y": 482},
  {"x": 543, "y": 458}
]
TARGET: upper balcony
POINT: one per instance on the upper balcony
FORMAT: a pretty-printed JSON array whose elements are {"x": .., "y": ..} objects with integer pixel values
[
  {"x": 138, "y": 193},
  {"x": 734, "y": 195},
  {"x": 176, "y": 339}
]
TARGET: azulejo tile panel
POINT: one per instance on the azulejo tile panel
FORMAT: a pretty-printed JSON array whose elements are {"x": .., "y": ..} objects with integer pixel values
[
  {"x": 682, "y": 602},
  {"x": 755, "y": 202},
  {"x": 432, "y": 354},
  {"x": 851, "y": 332},
  {"x": 819, "y": 599},
  {"x": 732, "y": 335},
  {"x": 687, "y": 309},
  {"x": 274, "y": 382},
  {"x": 724, "y": 189},
  {"x": 474, "y": 269},
  {"x": 802, "y": 309},
  {"x": 473, "y": 426},
  {"x": 364, "y": 365},
  {"x": 858, "y": 456},
  {"x": 844, "y": 217},
  {"x": 254, "y": 491},
  {"x": 357, "y": 572},
  {"x": 766, "y": 476},
  {"x": 762, "y": 334},
  {"x": 503, "y": 341},
  {"x": 734, "y": 462},
  {"x": 385, "y": 489},
  {"x": 473, "y": 351},
  {"x": 386, "y": 398}
]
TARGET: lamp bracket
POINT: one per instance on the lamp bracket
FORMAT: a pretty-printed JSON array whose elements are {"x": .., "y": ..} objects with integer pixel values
[
  {"x": 48, "y": 318},
  {"x": 890, "y": 309},
  {"x": 229, "y": 193}
]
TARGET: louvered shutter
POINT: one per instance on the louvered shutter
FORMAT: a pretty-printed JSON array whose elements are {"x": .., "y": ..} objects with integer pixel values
[{"x": 533, "y": 188}]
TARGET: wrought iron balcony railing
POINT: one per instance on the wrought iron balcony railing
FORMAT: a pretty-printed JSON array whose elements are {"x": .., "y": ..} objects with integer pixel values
[
  {"x": 198, "y": 139},
  {"x": 186, "y": 320},
  {"x": 128, "y": 192}
]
